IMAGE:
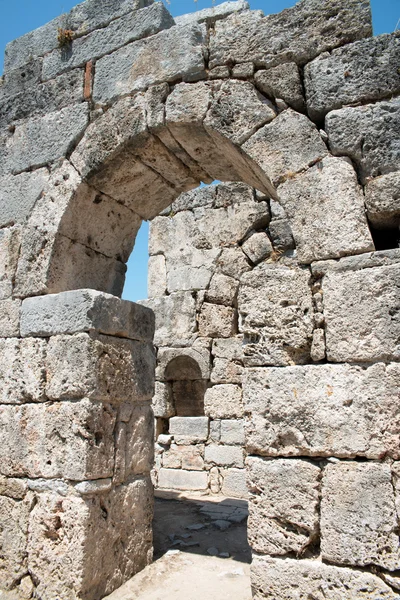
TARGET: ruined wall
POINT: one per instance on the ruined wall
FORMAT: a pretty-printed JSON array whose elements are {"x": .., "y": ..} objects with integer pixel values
[{"x": 99, "y": 134}]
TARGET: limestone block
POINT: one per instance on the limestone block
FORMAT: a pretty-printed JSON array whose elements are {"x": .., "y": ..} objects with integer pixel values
[
  {"x": 362, "y": 314},
  {"x": 224, "y": 401},
  {"x": 18, "y": 195},
  {"x": 227, "y": 360},
  {"x": 298, "y": 33},
  {"x": 275, "y": 308},
  {"x": 183, "y": 363},
  {"x": 215, "y": 13},
  {"x": 238, "y": 110},
  {"x": 286, "y": 146},
  {"x": 73, "y": 440},
  {"x": 199, "y": 197},
  {"x": 283, "y": 505},
  {"x": 234, "y": 483},
  {"x": 356, "y": 263},
  {"x": 189, "y": 102},
  {"x": 368, "y": 135},
  {"x": 290, "y": 579},
  {"x": 93, "y": 14},
  {"x": 187, "y": 277},
  {"x": 325, "y": 206},
  {"x": 189, "y": 430},
  {"x": 222, "y": 290},
  {"x": 21, "y": 79},
  {"x": 232, "y": 432},
  {"x": 162, "y": 401},
  {"x": 215, "y": 480},
  {"x": 138, "y": 450},
  {"x": 228, "y": 348},
  {"x": 157, "y": 276},
  {"x": 9, "y": 318},
  {"x": 224, "y": 456},
  {"x": 382, "y": 200},
  {"x": 257, "y": 247},
  {"x": 84, "y": 546},
  {"x": 233, "y": 262},
  {"x": 318, "y": 346},
  {"x": 10, "y": 240},
  {"x": 86, "y": 310},
  {"x": 281, "y": 235},
  {"x": 155, "y": 98},
  {"x": 131, "y": 27},
  {"x": 13, "y": 488},
  {"x": 99, "y": 367},
  {"x": 215, "y": 430},
  {"x": 190, "y": 458},
  {"x": 322, "y": 410},
  {"x": 14, "y": 516},
  {"x": 175, "y": 319},
  {"x": 174, "y": 479},
  {"x": 282, "y": 82},
  {"x": 133, "y": 67},
  {"x": 358, "y": 516},
  {"x": 42, "y": 140},
  {"x": 217, "y": 321},
  {"x": 22, "y": 372},
  {"x": 364, "y": 71}
]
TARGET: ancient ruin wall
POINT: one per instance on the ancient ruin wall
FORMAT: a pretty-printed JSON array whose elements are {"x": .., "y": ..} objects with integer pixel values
[{"x": 97, "y": 135}]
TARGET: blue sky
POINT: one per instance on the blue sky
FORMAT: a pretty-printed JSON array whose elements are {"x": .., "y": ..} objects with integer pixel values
[{"x": 20, "y": 16}]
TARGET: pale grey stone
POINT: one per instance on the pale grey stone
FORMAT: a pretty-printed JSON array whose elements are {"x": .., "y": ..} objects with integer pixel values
[
  {"x": 215, "y": 430},
  {"x": 233, "y": 262},
  {"x": 299, "y": 33},
  {"x": 290, "y": 579},
  {"x": 133, "y": 67},
  {"x": 318, "y": 346},
  {"x": 232, "y": 432},
  {"x": 219, "y": 73},
  {"x": 322, "y": 410},
  {"x": 369, "y": 135},
  {"x": 217, "y": 321},
  {"x": 21, "y": 79},
  {"x": 175, "y": 319},
  {"x": 129, "y": 28},
  {"x": 215, "y": 13},
  {"x": 10, "y": 317},
  {"x": 155, "y": 99},
  {"x": 223, "y": 402},
  {"x": 234, "y": 484},
  {"x": 189, "y": 458},
  {"x": 382, "y": 200},
  {"x": 243, "y": 70},
  {"x": 18, "y": 195},
  {"x": 362, "y": 316},
  {"x": 286, "y": 146},
  {"x": 227, "y": 360},
  {"x": 22, "y": 372},
  {"x": 49, "y": 485},
  {"x": 258, "y": 247},
  {"x": 157, "y": 276},
  {"x": 14, "y": 515},
  {"x": 330, "y": 222},
  {"x": 364, "y": 71},
  {"x": 224, "y": 456},
  {"x": 10, "y": 243},
  {"x": 358, "y": 516},
  {"x": 282, "y": 82},
  {"x": 98, "y": 486},
  {"x": 164, "y": 439},
  {"x": 162, "y": 401},
  {"x": 85, "y": 310},
  {"x": 276, "y": 315},
  {"x": 222, "y": 290},
  {"x": 283, "y": 505},
  {"x": 174, "y": 479},
  {"x": 93, "y": 14},
  {"x": 356, "y": 263},
  {"x": 138, "y": 449},
  {"x": 189, "y": 430}
]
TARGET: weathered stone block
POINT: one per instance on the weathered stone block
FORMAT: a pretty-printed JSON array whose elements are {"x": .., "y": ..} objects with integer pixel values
[
  {"x": 22, "y": 371},
  {"x": 174, "y": 479},
  {"x": 10, "y": 241},
  {"x": 361, "y": 312},
  {"x": 72, "y": 440},
  {"x": 234, "y": 483},
  {"x": 99, "y": 367},
  {"x": 133, "y": 67},
  {"x": 18, "y": 195},
  {"x": 157, "y": 276},
  {"x": 86, "y": 310},
  {"x": 222, "y": 290},
  {"x": 137, "y": 449},
  {"x": 322, "y": 410},
  {"x": 190, "y": 458},
  {"x": 227, "y": 362},
  {"x": 217, "y": 321},
  {"x": 282, "y": 82},
  {"x": 368, "y": 135},
  {"x": 358, "y": 516},
  {"x": 290, "y": 579},
  {"x": 286, "y": 146},
  {"x": 22, "y": 79},
  {"x": 325, "y": 206},
  {"x": 232, "y": 432},
  {"x": 283, "y": 505},
  {"x": 189, "y": 430},
  {"x": 162, "y": 402},
  {"x": 9, "y": 317},
  {"x": 223, "y": 401},
  {"x": 275, "y": 308},
  {"x": 14, "y": 515},
  {"x": 281, "y": 235},
  {"x": 364, "y": 71},
  {"x": 215, "y": 13},
  {"x": 382, "y": 200},
  {"x": 175, "y": 319},
  {"x": 258, "y": 247},
  {"x": 224, "y": 456},
  {"x": 233, "y": 262}
]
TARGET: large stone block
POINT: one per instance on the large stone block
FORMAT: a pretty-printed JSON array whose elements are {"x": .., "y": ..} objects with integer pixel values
[
  {"x": 291, "y": 579},
  {"x": 368, "y": 135},
  {"x": 21, "y": 80},
  {"x": 234, "y": 483},
  {"x": 86, "y": 310},
  {"x": 358, "y": 516},
  {"x": 227, "y": 360},
  {"x": 322, "y": 410},
  {"x": 131, "y": 27},
  {"x": 382, "y": 200},
  {"x": 174, "y": 479},
  {"x": 136, "y": 448},
  {"x": 283, "y": 505},
  {"x": 289, "y": 144},
  {"x": 299, "y": 33},
  {"x": 10, "y": 241},
  {"x": 232, "y": 432},
  {"x": 282, "y": 82},
  {"x": 18, "y": 195},
  {"x": 100, "y": 367},
  {"x": 9, "y": 317},
  {"x": 22, "y": 370},
  {"x": 223, "y": 401},
  {"x": 162, "y": 402},
  {"x": 72, "y": 440},
  {"x": 276, "y": 315},
  {"x": 361, "y": 311},
  {"x": 14, "y": 516},
  {"x": 215, "y": 13},
  {"x": 190, "y": 458},
  {"x": 157, "y": 276},
  {"x": 189, "y": 430},
  {"x": 175, "y": 319},
  {"x": 224, "y": 456},
  {"x": 364, "y": 71},
  {"x": 325, "y": 206},
  {"x": 133, "y": 67},
  {"x": 217, "y": 321}
]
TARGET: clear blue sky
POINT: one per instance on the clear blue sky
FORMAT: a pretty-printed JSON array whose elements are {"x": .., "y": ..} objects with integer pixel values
[{"x": 20, "y": 16}]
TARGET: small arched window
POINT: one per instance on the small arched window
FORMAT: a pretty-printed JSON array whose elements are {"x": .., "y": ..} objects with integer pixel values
[{"x": 188, "y": 386}]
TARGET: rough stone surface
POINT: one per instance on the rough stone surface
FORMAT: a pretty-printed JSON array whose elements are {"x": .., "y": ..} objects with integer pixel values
[
  {"x": 322, "y": 410},
  {"x": 175, "y": 319},
  {"x": 224, "y": 401},
  {"x": 234, "y": 484},
  {"x": 179, "y": 479},
  {"x": 162, "y": 401},
  {"x": 382, "y": 200},
  {"x": 222, "y": 290},
  {"x": 190, "y": 458},
  {"x": 9, "y": 317},
  {"x": 282, "y": 82},
  {"x": 14, "y": 515},
  {"x": 217, "y": 321},
  {"x": 22, "y": 372},
  {"x": 18, "y": 195},
  {"x": 224, "y": 456},
  {"x": 10, "y": 242},
  {"x": 189, "y": 430},
  {"x": 215, "y": 13},
  {"x": 157, "y": 276},
  {"x": 232, "y": 432}
]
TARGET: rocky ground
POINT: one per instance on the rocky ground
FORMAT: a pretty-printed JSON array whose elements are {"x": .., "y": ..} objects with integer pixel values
[{"x": 200, "y": 552}]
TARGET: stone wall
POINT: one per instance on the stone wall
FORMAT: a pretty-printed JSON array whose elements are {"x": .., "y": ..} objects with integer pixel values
[{"x": 102, "y": 131}]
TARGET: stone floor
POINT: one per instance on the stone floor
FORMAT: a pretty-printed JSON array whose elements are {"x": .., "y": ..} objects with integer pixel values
[{"x": 200, "y": 551}]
